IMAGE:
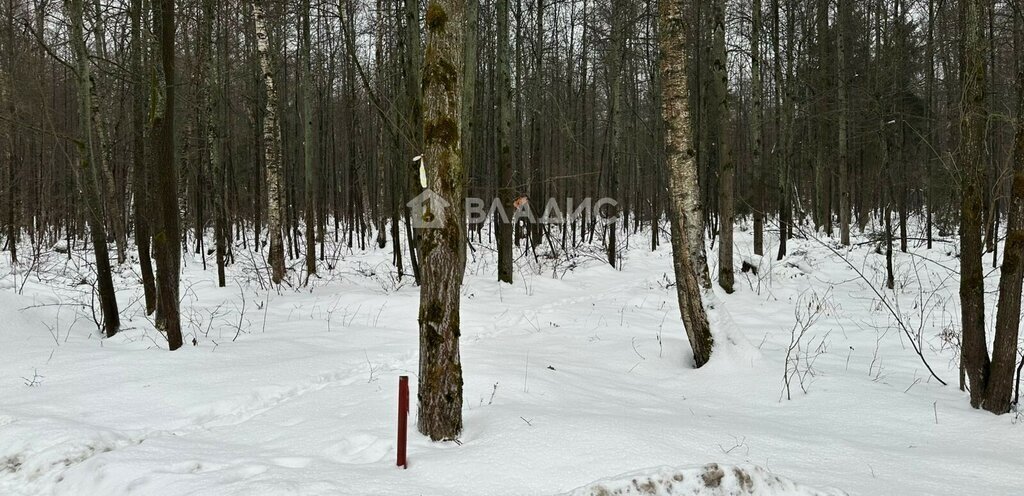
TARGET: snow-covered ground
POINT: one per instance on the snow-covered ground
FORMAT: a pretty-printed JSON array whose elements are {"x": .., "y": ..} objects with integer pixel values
[{"x": 574, "y": 374}]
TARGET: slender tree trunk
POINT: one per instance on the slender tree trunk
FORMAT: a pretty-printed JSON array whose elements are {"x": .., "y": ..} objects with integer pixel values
[
  {"x": 999, "y": 388},
  {"x": 682, "y": 174},
  {"x": 720, "y": 86},
  {"x": 505, "y": 184},
  {"x": 615, "y": 117},
  {"x": 140, "y": 174},
  {"x": 105, "y": 156},
  {"x": 413, "y": 62},
  {"x": 167, "y": 236},
  {"x": 213, "y": 139},
  {"x": 309, "y": 212},
  {"x": 271, "y": 147},
  {"x": 974, "y": 359},
  {"x": 88, "y": 174},
  {"x": 781, "y": 127},
  {"x": 842, "y": 164},
  {"x": 756, "y": 127},
  {"x": 442, "y": 250},
  {"x": 8, "y": 195}
]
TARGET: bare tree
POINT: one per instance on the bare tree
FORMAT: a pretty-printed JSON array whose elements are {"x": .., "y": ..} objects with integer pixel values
[
  {"x": 167, "y": 235},
  {"x": 682, "y": 174},
  {"x": 442, "y": 250},
  {"x": 975, "y": 359},
  {"x": 271, "y": 147},
  {"x": 999, "y": 388},
  {"x": 88, "y": 173}
]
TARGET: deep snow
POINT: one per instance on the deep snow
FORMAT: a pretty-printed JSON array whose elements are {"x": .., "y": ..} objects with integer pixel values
[{"x": 574, "y": 374}]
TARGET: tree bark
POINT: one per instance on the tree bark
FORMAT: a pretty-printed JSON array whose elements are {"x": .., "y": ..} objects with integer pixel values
[
  {"x": 999, "y": 388},
  {"x": 504, "y": 124},
  {"x": 974, "y": 359},
  {"x": 88, "y": 175},
  {"x": 309, "y": 210},
  {"x": 842, "y": 165},
  {"x": 442, "y": 250},
  {"x": 271, "y": 147},
  {"x": 720, "y": 87},
  {"x": 167, "y": 236},
  {"x": 756, "y": 127},
  {"x": 140, "y": 173},
  {"x": 682, "y": 174}
]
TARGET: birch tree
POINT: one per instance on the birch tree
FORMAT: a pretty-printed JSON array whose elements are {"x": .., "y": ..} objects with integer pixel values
[
  {"x": 271, "y": 146},
  {"x": 683, "y": 205}
]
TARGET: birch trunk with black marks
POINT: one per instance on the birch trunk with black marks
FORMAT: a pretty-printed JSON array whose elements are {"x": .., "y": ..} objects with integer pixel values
[
  {"x": 682, "y": 174},
  {"x": 271, "y": 147}
]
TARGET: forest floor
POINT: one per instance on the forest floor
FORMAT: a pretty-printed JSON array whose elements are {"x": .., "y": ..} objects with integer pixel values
[{"x": 575, "y": 373}]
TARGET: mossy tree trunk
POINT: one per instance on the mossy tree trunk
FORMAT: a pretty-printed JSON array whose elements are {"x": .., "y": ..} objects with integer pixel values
[{"x": 442, "y": 250}]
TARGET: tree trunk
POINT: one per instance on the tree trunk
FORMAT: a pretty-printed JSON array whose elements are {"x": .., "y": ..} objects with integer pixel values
[
  {"x": 720, "y": 87},
  {"x": 756, "y": 126},
  {"x": 682, "y": 174},
  {"x": 140, "y": 173},
  {"x": 999, "y": 388},
  {"x": 106, "y": 152},
  {"x": 309, "y": 212},
  {"x": 271, "y": 147},
  {"x": 167, "y": 236},
  {"x": 88, "y": 175},
  {"x": 442, "y": 250},
  {"x": 844, "y": 169},
  {"x": 974, "y": 359},
  {"x": 413, "y": 70},
  {"x": 504, "y": 124}
]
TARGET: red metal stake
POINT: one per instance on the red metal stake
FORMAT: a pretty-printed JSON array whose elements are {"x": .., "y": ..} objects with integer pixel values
[{"x": 403, "y": 418}]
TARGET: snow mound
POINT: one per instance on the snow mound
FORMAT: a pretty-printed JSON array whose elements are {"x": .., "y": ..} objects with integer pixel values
[
  {"x": 710, "y": 480},
  {"x": 731, "y": 345}
]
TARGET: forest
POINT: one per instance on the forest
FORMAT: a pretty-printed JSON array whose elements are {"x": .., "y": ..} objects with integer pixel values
[{"x": 757, "y": 220}]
